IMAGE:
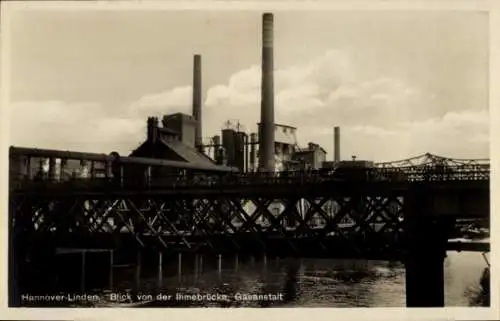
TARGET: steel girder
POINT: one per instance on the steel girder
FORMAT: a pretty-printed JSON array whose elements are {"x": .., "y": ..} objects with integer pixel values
[{"x": 362, "y": 223}]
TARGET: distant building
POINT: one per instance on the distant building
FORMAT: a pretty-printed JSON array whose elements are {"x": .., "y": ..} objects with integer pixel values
[
  {"x": 183, "y": 126},
  {"x": 174, "y": 141},
  {"x": 285, "y": 144},
  {"x": 351, "y": 163},
  {"x": 311, "y": 157}
]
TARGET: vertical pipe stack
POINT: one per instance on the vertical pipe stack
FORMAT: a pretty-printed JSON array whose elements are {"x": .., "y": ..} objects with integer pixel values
[
  {"x": 253, "y": 144},
  {"x": 197, "y": 102},
  {"x": 152, "y": 130},
  {"x": 245, "y": 152},
  {"x": 266, "y": 127},
  {"x": 336, "y": 138}
]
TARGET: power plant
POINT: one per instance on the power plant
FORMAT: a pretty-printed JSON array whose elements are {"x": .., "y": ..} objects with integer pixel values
[
  {"x": 275, "y": 144},
  {"x": 273, "y": 148},
  {"x": 254, "y": 193},
  {"x": 178, "y": 138},
  {"x": 175, "y": 144}
]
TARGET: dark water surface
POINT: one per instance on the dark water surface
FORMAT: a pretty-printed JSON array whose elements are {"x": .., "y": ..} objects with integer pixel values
[{"x": 306, "y": 282}]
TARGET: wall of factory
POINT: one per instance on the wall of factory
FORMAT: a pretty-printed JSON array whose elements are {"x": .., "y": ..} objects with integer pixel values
[
  {"x": 185, "y": 125},
  {"x": 319, "y": 158},
  {"x": 37, "y": 168},
  {"x": 283, "y": 156},
  {"x": 312, "y": 158},
  {"x": 285, "y": 134},
  {"x": 234, "y": 151},
  {"x": 284, "y": 147},
  {"x": 240, "y": 148},
  {"x": 229, "y": 145},
  {"x": 216, "y": 150}
]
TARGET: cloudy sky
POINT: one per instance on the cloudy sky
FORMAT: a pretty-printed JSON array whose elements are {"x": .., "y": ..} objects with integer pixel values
[{"x": 398, "y": 83}]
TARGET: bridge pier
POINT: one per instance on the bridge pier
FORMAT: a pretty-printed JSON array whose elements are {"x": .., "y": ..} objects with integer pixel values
[
  {"x": 179, "y": 266},
  {"x": 426, "y": 237},
  {"x": 196, "y": 266},
  {"x": 138, "y": 271},
  {"x": 15, "y": 275},
  {"x": 160, "y": 270},
  {"x": 82, "y": 272},
  {"x": 111, "y": 267}
]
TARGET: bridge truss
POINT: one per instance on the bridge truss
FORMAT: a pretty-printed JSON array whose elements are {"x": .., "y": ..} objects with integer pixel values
[{"x": 351, "y": 213}]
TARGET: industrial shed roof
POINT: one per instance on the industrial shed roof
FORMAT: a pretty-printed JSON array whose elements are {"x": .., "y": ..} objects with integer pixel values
[{"x": 174, "y": 150}]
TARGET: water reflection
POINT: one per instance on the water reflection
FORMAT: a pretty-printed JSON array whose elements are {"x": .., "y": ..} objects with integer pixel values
[
  {"x": 303, "y": 282},
  {"x": 290, "y": 288},
  {"x": 462, "y": 274}
]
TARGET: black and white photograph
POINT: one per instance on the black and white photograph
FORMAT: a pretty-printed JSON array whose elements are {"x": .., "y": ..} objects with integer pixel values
[{"x": 236, "y": 158}]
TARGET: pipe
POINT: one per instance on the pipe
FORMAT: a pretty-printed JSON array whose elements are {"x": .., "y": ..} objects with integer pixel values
[
  {"x": 38, "y": 152},
  {"x": 266, "y": 127},
  {"x": 336, "y": 145},
  {"x": 114, "y": 157},
  {"x": 197, "y": 102},
  {"x": 245, "y": 151},
  {"x": 253, "y": 143}
]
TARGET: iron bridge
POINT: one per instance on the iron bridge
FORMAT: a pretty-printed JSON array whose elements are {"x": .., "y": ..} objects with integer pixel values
[{"x": 344, "y": 212}]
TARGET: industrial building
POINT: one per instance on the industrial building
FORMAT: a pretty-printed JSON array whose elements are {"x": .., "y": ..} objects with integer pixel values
[
  {"x": 274, "y": 147},
  {"x": 175, "y": 146}
]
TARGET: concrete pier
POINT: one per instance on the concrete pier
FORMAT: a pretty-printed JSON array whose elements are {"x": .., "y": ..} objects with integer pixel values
[{"x": 426, "y": 244}]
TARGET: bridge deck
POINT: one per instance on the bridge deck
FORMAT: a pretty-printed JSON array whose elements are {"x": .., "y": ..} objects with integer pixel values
[{"x": 327, "y": 206}]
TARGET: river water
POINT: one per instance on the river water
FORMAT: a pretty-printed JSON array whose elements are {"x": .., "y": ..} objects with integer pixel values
[{"x": 312, "y": 282}]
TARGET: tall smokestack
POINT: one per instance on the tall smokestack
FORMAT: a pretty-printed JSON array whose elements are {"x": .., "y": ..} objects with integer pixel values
[
  {"x": 266, "y": 127},
  {"x": 336, "y": 146},
  {"x": 197, "y": 101}
]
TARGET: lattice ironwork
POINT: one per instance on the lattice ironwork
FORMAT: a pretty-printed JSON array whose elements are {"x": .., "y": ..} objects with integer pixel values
[
  {"x": 432, "y": 160},
  {"x": 334, "y": 210},
  {"x": 219, "y": 223}
]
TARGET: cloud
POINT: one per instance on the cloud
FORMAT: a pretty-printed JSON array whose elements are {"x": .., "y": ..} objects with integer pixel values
[
  {"x": 80, "y": 127},
  {"x": 325, "y": 90},
  {"x": 382, "y": 118},
  {"x": 463, "y": 134},
  {"x": 178, "y": 99}
]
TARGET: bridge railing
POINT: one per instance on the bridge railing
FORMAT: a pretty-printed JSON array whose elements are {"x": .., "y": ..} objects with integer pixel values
[
  {"x": 437, "y": 173},
  {"x": 291, "y": 178}
]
